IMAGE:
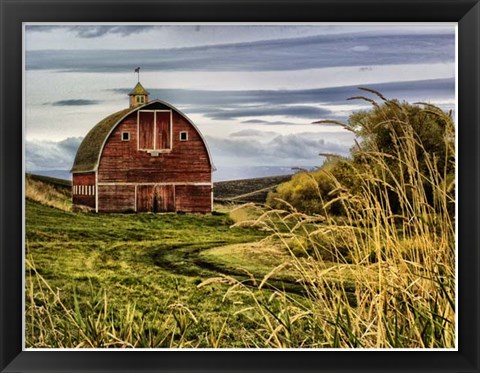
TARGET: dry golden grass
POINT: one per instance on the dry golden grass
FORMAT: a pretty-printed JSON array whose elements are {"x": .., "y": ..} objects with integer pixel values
[
  {"x": 46, "y": 194},
  {"x": 395, "y": 273}
]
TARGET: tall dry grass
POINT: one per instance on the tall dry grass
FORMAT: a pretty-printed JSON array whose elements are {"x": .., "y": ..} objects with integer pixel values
[
  {"x": 46, "y": 194},
  {"x": 392, "y": 284}
]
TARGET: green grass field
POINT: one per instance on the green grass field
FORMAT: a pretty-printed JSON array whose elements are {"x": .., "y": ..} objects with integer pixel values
[{"x": 149, "y": 262}]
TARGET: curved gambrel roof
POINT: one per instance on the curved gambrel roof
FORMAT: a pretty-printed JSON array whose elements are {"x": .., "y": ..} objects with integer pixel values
[{"x": 90, "y": 150}]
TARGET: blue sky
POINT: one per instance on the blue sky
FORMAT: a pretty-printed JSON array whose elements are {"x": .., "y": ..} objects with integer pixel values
[{"x": 253, "y": 90}]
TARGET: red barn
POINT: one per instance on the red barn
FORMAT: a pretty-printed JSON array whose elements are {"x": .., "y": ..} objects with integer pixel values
[{"x": 147, "y": 158}]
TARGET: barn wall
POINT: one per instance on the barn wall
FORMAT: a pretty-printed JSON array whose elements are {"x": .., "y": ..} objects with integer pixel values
[
  {"x": 83, "y": 189},
  {"x": 193, "y": 198},
  {"x": 187, "y": 161},
  {"x": 116, "y": 198}
]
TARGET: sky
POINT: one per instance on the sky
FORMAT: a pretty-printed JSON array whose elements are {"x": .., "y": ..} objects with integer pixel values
[{"x": 252, "y": 90}]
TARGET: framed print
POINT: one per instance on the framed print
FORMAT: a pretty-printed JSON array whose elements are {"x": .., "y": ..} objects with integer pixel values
[{"x": 239, "y": 186}]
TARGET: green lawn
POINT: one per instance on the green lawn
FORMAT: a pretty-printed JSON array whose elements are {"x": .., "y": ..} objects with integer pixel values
[{"x": 152, "y": 262}]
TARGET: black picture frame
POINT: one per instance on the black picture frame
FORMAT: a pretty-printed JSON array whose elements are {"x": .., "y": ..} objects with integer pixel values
[{"x": 14, "y": 12}]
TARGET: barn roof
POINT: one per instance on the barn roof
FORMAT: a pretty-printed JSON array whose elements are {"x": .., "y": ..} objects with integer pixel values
[
  {"x": 138, "y": 90},
  {"x": 88, "y": 153},
  {"x": 91, "y": 146}
]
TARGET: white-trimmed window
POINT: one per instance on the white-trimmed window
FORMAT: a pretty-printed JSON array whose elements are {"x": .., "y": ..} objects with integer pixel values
[
  {"x": 183, "y": 136},
  {"x": 125, "y": 136}
]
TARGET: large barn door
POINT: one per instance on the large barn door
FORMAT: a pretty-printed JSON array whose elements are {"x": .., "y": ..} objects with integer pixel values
[
  {"x": 155, "y": 198},
  {"x": 144, "y": 198}
]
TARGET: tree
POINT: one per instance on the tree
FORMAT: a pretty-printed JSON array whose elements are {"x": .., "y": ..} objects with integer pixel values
[
  {"x": 411, "y": 141},
  {"x": 393, "y": 128}
]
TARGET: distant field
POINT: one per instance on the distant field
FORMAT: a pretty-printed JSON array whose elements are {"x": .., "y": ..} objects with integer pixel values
[
  {"x": 51, "y": 180},
  {"x": 247, "y": 190}
]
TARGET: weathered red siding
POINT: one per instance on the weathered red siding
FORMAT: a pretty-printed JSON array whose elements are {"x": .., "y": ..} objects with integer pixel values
[
  {"x": 83, "y": 189},
  {"x": 116, "y": 198},
  {"x": 193, "y": 198},
  {"x": 188, "y": 161}
]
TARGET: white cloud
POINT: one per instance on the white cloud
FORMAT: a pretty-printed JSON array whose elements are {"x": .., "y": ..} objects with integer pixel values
[
  {"x": 189, "y": 35},
  {"x": 51, "y": 155},
  {"x": 268, "y": 149}
]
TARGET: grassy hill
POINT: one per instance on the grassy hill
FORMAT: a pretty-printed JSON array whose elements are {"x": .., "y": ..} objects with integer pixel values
[
  {"x": 136, "y": 269},
  {"x": 247, "y": 190},
  {"x": 48, "y": 191}
]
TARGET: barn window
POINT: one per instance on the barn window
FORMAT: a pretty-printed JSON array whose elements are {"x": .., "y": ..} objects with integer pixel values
[
  {"x": 125, "y": 136},
  {"x": 183, "y": 136}
]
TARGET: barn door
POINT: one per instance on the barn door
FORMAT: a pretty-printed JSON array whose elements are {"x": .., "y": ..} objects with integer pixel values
[
  {"x": 163, "y": 135},
  {"x": 146, "y": 132},
  {"x": 163, "y": 199},
  {"x": 155, "y": 198}
]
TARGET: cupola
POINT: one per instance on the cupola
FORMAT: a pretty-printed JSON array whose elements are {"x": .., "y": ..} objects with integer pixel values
[{"x": 138, "y": 96}]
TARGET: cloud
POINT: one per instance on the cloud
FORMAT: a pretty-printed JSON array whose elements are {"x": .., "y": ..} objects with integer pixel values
[
  {"x": 97, "y": 31},
  {"x": 267, "y": 55},
  {"x": 402, "y": 90},
  {"x": 253, "y": 133},
  {"x": 291, "y": 149},
  {"x": 89, "y": 32},
  {"x": 76, "y": 102},
  {"x": 360, "y": 48},
  {"x": 225, "y": 105},
  {"x": 259, "y": 121},
  {"x": 285, "y": 110},
  {"x": 51, "y": 155}
]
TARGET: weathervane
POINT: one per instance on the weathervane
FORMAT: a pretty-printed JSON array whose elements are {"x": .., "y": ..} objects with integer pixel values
[{"x": 137, "y": 70}]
